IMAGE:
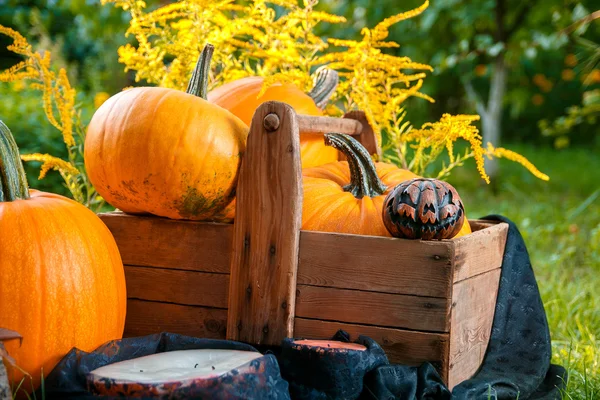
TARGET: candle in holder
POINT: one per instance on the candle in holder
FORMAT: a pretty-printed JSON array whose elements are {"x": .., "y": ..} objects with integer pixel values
[{"x": 178, "y": 374}]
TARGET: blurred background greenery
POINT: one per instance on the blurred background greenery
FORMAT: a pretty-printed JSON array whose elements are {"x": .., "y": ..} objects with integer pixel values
[{"x": 529, "y": 68}]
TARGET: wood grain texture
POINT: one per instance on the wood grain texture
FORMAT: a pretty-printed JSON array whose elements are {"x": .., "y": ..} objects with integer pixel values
[
  {"x": 266, "y": 234},
  {"x": 479, "y": 224},
  {"x": 148, "y": 317},
  {"x": 310, "y": 124},
  {"x": 161, "y": 242},
  {"x": 473, "y": 306},
  {"x": 177, "y": 286},
  {"x": 366, "y": 137},
  {"x": 401, "y": 346},
  {"x": 382, "y": 309},
  {"x": 481, "y": 251},
  {"x": 421, "y": 268}
]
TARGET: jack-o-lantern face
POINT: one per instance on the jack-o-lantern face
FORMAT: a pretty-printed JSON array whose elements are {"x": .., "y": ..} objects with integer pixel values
[{"x": 423, "y": 209}]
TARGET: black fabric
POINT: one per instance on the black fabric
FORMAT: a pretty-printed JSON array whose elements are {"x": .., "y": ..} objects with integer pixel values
[
  {"x": 68, "y": 379},
  {"x": 516, "y": 364},
  {"x": 517, "y": 360},
  {"x": 328, "y": 374},
  {"x": 401, "y": 382}
]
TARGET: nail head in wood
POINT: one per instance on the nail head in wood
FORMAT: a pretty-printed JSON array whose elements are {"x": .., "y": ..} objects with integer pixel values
[{"x": 271, "y": 122}]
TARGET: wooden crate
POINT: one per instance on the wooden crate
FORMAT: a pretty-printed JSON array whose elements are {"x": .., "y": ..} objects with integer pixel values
[{"x": 262, "y": 278}]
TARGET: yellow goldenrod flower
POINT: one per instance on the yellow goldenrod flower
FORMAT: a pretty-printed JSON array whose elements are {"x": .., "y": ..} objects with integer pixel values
[
  {"x": 58, "y": 102},
  {"x": 50, "y": 162},
  {"x": 500, "y": 152},
  {"x": 100, "y": 98},
  {"x": 253, "y": 39}
]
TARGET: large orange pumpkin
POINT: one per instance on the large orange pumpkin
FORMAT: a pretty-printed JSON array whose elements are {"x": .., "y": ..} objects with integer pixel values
[
  {"x": 62, "y": 283},
  {"x": 166, "y": 152},
  {"x": 241, "y": 98},
  {"x": 348, "y": 196}
]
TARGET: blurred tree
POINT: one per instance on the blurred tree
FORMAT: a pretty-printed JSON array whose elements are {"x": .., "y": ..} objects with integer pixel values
[
  {"x": 82, "y": 35},
  {"x": 489, "y": 47},
  {"x": 588, "y": 112}
]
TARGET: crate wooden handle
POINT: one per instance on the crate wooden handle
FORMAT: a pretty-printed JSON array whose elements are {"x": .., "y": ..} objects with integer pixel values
[
  {"x": 354, "y": 123},
  {"x": 310, "y": 124},
  {"x": 266, "y": 233}
]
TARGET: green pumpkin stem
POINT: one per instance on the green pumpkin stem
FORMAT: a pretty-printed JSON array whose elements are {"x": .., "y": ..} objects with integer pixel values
[
  {"x": 326, "y": 81},
  {"x": 13, "y": 183},
  {"x": 364, "y": 180},
  {"x": 198, "y": 85}
]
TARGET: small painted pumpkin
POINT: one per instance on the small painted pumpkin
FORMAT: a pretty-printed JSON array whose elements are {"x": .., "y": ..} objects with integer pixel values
[
  {"x": 166, "y": 152},
  {"x": 424, "y": 209},
  {"x": 348, "y": 196},
  {"x": 241, "y": 98},
  {"x": 62, "y": 283}
]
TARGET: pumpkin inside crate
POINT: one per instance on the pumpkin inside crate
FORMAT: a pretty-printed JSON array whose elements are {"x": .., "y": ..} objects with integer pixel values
[{"x": 420, "y": 300}]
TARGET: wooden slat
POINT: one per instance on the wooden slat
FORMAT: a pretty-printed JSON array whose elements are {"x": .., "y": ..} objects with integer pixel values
[
  {"x": 382, "y": 309},
  {"x": 310, "y": 124},
  {"x": 147, "y": 317},
  {"x": 177, "y": 286},
  {"x": 479, "y": 224},
  {"x": 401, "y": 346},
  {"x": 266, "y": 234},
  {"x": 481, "y": 251},
  {"x": 161, "y": 242},
  {"x": 390, "y": 265},
  {"x": 366, "y": 137},
  {"x": 473, "y": 306}
]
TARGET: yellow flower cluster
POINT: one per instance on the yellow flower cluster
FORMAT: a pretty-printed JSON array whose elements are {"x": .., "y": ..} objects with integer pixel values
[
  {"x": 65, "y": 168},
  {"x": 58, "y": 100},
  {"x": 431, "y": 140},
  {"x": 500, "y": 152},
  {"x": 252, "y": 39},
  {"x": 58, "y": 96}
]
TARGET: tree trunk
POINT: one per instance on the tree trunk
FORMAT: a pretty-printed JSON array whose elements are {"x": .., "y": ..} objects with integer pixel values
[{"x": 491, "y": 121}]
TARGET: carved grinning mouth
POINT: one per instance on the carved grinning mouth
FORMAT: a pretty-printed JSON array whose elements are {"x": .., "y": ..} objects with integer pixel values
[{"x": 432, "y": 220}]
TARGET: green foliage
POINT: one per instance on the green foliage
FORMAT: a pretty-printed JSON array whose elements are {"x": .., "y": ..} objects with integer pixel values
[
  {"x": 583, "y": 119},
  {"x": 21, "y": 111},
  {"x": 84, "y": 33},
  {"x": 560, "y": 222},
  {"x": 458, "y": 38},
  {"x": 83, "y": 37}
]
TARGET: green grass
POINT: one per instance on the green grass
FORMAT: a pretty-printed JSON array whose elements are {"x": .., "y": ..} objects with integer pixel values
[{"x": 560, "y": 222}]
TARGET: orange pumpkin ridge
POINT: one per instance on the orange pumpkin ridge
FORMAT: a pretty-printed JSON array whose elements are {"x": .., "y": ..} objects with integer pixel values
[
  {"x": 62, "y": 283},
  {"x": 347, "y": 197},
  {"x": 241, "y": 97},
  {"x": 165, "y": 152}
]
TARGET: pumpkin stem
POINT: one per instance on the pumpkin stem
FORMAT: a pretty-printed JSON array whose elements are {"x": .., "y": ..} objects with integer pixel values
[
  {"x": 13, "y": 183},
  {"x": 198, "y": 85},
  {"x": 325, "y": 83},
  {"x": 364, "y": 180}
]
